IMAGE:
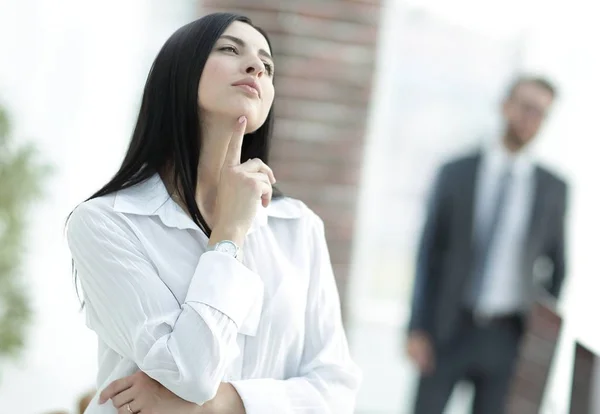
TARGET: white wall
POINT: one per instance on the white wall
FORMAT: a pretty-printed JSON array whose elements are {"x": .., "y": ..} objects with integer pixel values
[{"x": 71, "y": 75}]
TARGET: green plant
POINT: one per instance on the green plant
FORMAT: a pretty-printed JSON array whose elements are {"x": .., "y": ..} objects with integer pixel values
[{"x": 21, "y": 178}]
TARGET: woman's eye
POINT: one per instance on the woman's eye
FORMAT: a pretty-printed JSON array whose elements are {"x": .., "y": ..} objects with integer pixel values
[
  {"x": 228, "y": 49},
  {"x": 269, "y": 68}
]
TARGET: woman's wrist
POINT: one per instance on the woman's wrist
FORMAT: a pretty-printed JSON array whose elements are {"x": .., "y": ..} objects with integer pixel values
[{"x": 234, "y": 234}]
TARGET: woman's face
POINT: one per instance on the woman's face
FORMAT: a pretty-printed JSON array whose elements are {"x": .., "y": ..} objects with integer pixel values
[{"x": 238, "y": 77}]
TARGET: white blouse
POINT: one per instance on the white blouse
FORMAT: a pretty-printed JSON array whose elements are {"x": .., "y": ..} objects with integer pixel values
[{"x": 191, "y": 318}]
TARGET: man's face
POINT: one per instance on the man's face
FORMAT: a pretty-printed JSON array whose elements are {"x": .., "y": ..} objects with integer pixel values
[{"x": 524, "y": 112}]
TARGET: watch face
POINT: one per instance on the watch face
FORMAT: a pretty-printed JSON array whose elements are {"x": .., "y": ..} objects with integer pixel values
[{"x": 227, "y": 247}]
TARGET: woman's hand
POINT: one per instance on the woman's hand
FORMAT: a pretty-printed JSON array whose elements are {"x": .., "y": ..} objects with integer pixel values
[
  {"x": 240, "y": 188},
  {"x": 138, "y": 393}
]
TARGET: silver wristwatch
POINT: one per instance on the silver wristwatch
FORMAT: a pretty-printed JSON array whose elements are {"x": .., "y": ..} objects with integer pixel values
[{"x": 227, "y": 247}]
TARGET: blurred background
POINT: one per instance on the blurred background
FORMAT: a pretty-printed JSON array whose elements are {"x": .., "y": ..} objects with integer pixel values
[{"x": 371, "y": 97}]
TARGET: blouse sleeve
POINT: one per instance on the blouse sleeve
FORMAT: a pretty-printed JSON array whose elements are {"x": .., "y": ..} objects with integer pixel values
[{"x": 186, "y": 347}]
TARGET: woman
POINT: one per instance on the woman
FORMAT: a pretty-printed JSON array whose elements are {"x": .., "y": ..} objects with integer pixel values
[{"x": 208, "y": 290}]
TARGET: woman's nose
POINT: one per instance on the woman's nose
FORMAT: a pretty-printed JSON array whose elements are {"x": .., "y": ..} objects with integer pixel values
[{"x": 255, "y": 67}]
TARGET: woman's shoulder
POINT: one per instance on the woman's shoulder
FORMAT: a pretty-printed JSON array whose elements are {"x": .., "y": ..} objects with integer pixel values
[
  {"x": 98, "y": 213},
  {"x": 291, "y": 209},
  {"x": 295, "y": 214},
  {"x": 104, "y": 205}
]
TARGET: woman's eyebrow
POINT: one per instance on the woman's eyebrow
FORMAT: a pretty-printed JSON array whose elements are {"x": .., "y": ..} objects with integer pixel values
[{"x": 241, "y": 43}]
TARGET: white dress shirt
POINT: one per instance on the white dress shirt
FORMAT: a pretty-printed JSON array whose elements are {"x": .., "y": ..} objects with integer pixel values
[
  {"x": 191, "y": 318},
  {"x": 504, "y": 285}
]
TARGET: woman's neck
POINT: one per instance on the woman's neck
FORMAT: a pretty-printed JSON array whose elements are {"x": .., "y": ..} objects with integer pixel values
[{"x": 216, "y": 135}]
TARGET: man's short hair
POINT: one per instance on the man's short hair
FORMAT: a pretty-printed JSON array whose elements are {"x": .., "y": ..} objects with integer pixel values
[{"x": 532, "y": 79}]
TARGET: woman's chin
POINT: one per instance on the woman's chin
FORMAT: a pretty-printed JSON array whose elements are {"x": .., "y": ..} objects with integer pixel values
[
  {"x": 253, "y": 120},
  {"x": 234, "y": 108}
]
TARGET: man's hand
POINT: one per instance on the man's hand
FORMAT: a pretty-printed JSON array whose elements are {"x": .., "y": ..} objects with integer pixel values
[
  {"x": 138, "y": 393},
  {"x": 420, "y": 350}
]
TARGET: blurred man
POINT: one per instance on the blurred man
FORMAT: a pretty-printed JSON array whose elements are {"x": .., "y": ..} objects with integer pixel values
[{"x": 492, "y": 214}]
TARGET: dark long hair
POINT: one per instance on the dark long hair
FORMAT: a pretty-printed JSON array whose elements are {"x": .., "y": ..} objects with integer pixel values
[{"x": 167, "y": 133}]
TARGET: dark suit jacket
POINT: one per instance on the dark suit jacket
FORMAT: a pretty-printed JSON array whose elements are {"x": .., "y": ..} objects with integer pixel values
[{"x": 445, "y": 257}]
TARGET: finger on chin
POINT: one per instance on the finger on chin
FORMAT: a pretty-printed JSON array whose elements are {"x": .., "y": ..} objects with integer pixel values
[
  {"x": 234, "y": 149},
  {"x": 241, "y": 123}
]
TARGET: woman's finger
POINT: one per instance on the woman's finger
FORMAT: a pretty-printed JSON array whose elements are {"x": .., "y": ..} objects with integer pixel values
[
  {"x": 115, "y": 388},
  {"x": 234, "y": 149},
  {"x": 260, "y": 176},
  {"x": 256, "y": 165},
  {"x": 124, "y": 398},
  {"x": 266, "y": 193},
  {"x": 129, "y": 406},
  {"x": 264, "y": 186}
]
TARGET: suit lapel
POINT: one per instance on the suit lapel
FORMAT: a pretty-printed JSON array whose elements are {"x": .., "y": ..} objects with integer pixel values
[
  {"x": 468, "y": 189},
  {"x": 470, "y": 193}
]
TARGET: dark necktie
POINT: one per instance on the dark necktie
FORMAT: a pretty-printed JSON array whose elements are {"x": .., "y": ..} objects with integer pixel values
[{"x": 485, "y": 235}]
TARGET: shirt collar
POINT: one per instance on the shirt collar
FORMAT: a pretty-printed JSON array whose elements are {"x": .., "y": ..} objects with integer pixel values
[
  {"x": 151, "y": 198},
  {"x": 498, "y": 156}
]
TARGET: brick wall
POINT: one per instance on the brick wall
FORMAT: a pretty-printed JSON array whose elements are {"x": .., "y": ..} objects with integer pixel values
[{"x": 324, "y": 56}]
